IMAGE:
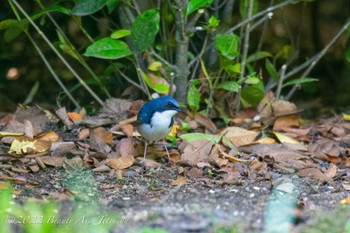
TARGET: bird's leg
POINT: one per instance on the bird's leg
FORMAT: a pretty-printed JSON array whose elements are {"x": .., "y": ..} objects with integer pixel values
[
  {"x": 166, "y": 150},
  {"x": 145, "y": 152}
]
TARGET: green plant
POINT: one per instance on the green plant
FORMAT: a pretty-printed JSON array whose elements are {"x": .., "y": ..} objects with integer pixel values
[
  {"x": 44, "y": 216},
  {"x": 159, "y": 45}
]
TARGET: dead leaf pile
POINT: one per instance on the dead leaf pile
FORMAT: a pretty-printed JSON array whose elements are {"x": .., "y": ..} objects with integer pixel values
[{"x": 257, "y": 144}]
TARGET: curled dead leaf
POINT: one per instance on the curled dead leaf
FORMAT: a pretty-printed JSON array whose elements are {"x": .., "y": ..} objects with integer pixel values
[
  {"x": 121, "y": 162},
  {"x": 178, "y": 181}
]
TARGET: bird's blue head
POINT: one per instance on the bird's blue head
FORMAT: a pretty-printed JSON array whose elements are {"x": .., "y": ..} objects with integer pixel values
[{"x": 166, "y": 105}]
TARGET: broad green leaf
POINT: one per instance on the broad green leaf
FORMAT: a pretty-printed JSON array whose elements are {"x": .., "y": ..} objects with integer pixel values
[
  {"x": 193, "y": 98},
  {"x": 300, "y": 81},
  {"x": 108, "y": 48},
  {"x": 16, "y": 27},
  {"x": 257, "y": 56},
  {"x": 154, "y": 66},
  {"x": 191, "y": 137},
  {"x": 244, "y": 6},
  {"x": 194, "y": 5},
  {"x": 145, "y": 29},
  {"x": 12, "y": 33},
  {"x": 233, "y": 69},
  {"x": 120, "y": 34},
  {"x": 161, "y": 88},
  {"x": 157, "y": 84},
  {"x": 253, "y": 94},
  {"x": 227, "y": 45},
  {"x": 271, "y": 69},
  {"x": 88, "y": 7},
  {"x": 229, "y": 86},
  {"x": 252, "y": 80}
]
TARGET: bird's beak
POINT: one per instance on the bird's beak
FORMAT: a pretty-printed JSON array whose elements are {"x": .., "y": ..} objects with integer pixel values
[{"x": 181, "y": 110}]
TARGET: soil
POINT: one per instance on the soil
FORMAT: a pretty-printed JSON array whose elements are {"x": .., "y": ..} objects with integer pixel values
[{"x": 197, "y": 205}]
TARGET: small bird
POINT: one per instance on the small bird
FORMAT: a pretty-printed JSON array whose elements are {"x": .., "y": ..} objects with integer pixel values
[{"x": 155, "y": 120}]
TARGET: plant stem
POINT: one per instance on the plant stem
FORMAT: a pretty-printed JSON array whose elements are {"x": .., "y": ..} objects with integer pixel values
[
  {"x": 182, "y": 40},
  {"x": 245, "y": 52}
]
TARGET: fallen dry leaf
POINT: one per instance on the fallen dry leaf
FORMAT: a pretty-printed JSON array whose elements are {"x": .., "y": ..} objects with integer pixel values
[
  {"x": 128, "y": 129},
  {"x": 106, "y": 136},
  {"x": 178, "y": 181},
  {"x": 289, "y": 121},
  {"x": 53, "y": 161},
  {"x": 25, "y": 145},
  {"x": 345, "y": 201},
  {"x": 240, "y": 137},
  {"x": 74, "y": 116},
  {"x": 121, "y": 162},
  {"x": 314, "y": 173},
  {"x": 195, "y": 152},
  {"x": 126, "y": 147},
  {"x": 48, "y": 136}
]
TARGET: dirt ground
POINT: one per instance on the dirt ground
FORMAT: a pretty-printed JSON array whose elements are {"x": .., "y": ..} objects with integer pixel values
[{"x": 197, "y": 205}]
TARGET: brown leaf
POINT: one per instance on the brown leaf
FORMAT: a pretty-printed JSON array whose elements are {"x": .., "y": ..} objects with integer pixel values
[
  {"x": 48, "y": 136},
  {"x": 126, "y": 147},
  {"x": 25, "y": 145},
  {"x": 74, "y": 116},
  {"x": 53, "y": 161},
  {"x": 205, "y": 122},
  {"x": 289, "y": 121},
  {"x": 178, "y": 180},
  {"x": 313, "y": 173},
  {"x": 240, "y": 137},
  {"x": 63, "y": 116},
  {"x": 195, "y": 152},
  {"x": 98, "y": 143},
  {"x": 195, "y": 172},
  {"x": 106, "y": 136},
  {"x": 331, "y": 171},
  {"x": 128, "y": 129},
  {"x": 121, "y": 162}
]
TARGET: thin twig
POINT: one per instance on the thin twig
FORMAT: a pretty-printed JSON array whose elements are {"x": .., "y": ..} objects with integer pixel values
[
  {"x": 245, "y": 51},
  {"x": 269, "y": 9},
  {"x": 280, "y": 81}
]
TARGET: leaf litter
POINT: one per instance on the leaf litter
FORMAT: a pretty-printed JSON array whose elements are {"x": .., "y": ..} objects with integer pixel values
[{"x": 34, "y": 140}]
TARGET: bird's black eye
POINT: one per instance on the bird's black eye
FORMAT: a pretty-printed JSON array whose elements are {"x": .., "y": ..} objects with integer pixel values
[{"x": 170, "y": 104}]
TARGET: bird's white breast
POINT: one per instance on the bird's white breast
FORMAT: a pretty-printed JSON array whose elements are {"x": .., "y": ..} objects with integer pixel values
[{"x": 160, "y": 126}]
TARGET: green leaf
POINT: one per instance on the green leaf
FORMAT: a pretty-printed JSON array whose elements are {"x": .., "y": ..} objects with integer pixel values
[
  {"x": 300, "y": 81},
  {"x": 233, "y": 69},
  {"x": 229, "y": 86},
  {"x": 191, "y": 137},
  {"x": 194, "y": 5},
  {"x": 88, "y": 7},
  {"x": 145, "y": 29},
  {"x": 193, "y": 98},
  {"x": 244, "y": 5},
  {"x": 347, "y": 54},
  {"x": 156, "y": 83},
  {"x": 257, "y": 56},
  {"x": 108, "y": 48},
  {"x": 227, "y": 45},
  {"x": 120, "y": 34},
  {"x": 271, "y": 70},
  {"x": 252, "y": 80},
  {"x": 213, "y": 22},
  {"x": 253, "y": 94}
]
